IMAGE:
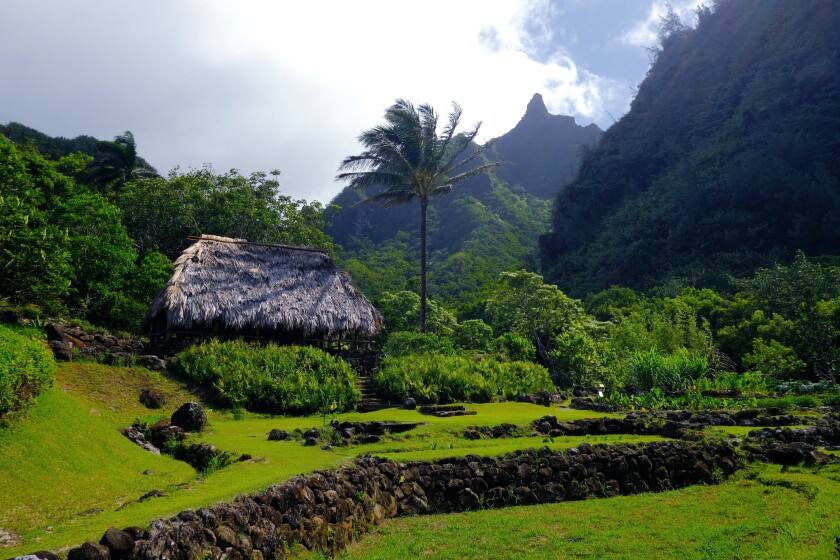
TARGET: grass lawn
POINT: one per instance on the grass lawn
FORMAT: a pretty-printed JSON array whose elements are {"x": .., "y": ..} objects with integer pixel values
[
  {"x": 67, "y": 474},
  {"x": 761, "y": 513}
]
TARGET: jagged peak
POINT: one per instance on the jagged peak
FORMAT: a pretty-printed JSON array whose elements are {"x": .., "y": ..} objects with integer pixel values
[{"x": 536, "y": 107}]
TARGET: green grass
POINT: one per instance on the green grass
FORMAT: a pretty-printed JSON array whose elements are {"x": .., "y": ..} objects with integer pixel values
[
  {"x": 67, "y": 474},
  {"x": 759, "y": 514}
]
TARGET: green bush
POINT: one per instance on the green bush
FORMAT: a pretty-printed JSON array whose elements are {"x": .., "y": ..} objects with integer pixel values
[
  {"x": 774, "y": 359},
  {"x": 444, "y": 379},
  {"x": 275, "y": 379},
  {"x": 26, "y": 369},
  {"x": 515, "y": 347}
]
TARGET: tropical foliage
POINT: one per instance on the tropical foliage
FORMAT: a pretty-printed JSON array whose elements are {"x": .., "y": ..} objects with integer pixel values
[{"x": 275, "y": 379}]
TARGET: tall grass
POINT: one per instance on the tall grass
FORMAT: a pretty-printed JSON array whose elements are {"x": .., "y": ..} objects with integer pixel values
[
  {"x": 443, "y": 379},
  {"x": 670, "y": 372}
]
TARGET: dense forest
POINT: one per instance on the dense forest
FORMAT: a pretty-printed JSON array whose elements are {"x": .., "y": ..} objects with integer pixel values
[{"x": 726, "y": 161}]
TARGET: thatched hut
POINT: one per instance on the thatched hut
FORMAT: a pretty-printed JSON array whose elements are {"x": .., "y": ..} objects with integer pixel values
[{"x": 232, "y": 288}]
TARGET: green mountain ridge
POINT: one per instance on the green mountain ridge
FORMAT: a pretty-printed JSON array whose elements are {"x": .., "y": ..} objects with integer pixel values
[
  {"x": 727, "y": 161},
  {"x": 56, "y": 147}
]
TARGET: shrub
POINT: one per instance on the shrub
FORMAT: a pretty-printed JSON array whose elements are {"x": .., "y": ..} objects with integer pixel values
[
  {"x": 774, "y": 359},
  {"x": 672, "y": 372},
  {"x": 579, "y": 361},
  {"x": 515, "y": 347},
  {"x": 443, "y": 379},
  {"x": 403, "y": 343},
  {"x": 26, "y": 369},
  {"x": 271, "y": 378}
]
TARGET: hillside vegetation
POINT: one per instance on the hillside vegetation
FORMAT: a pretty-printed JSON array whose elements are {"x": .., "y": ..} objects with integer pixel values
[{"x": 726, "y": 161}]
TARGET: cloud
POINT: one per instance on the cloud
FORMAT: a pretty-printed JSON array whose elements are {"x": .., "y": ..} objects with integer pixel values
[
  {"x": 644, "y": 33},
  {"x": 287, "y": 85}
]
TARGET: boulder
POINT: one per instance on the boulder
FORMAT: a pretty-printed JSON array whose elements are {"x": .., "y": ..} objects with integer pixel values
[
  {"x": 278, "y": 435},
  {"x": 190, "y": 416},
  {"x": 139, "y": 438},
  {"x": 90, "y": 551},
  {"x": 151, "y": 362},
  {"x": 62, "y": 350},
  {"x": 410, "y": 404},
  {"x": 120, "y": 544},
  {"x": 117, "y": 358},
  {"x": 161, "y": 436},
  {"x": 54, "y": 332},
  {"x": 152, "y": 398},
  {"x": 40, "y": 555}
]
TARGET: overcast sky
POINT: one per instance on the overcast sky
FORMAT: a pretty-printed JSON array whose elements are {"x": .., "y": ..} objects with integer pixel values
[{"x": 289, "y": 85}]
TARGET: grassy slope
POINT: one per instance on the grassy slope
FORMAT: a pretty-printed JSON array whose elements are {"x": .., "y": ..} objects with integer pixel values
[
  {"x": 65, "y": 460},
  {"x": 759, "y": 514}
]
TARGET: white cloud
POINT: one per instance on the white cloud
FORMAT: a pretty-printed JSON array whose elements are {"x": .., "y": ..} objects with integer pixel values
[{"x": 644, "y": 33}]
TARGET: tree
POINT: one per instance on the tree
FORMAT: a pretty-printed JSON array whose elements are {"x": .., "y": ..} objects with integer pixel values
[
  {"x": 406, "y": 159},
  {"x": 161, "y": 212},
  {"x": 523, "y": 304},
  {"x": 119, "y": 163}
]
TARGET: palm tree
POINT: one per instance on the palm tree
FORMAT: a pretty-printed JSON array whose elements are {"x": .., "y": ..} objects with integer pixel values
[
  {"x": 118, "y": 162},
  {"x": 407, "y": 159}
]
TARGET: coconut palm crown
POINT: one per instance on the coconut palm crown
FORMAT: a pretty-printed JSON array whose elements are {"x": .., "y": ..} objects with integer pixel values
[{"x": 406, "y": 158}]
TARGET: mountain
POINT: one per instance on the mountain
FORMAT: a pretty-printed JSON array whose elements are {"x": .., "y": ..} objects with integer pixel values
[
  {"x": 487, "y": 225},
  {"x": 728, "y": 159},
  {"x": 543, "y": 149}
]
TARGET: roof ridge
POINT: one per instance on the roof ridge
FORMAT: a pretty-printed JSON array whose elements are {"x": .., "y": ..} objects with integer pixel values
[{"x": 220, "y": 239}]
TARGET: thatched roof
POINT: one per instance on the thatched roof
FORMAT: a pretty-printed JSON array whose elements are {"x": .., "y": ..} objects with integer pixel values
[{"x": 247, "y": 286}]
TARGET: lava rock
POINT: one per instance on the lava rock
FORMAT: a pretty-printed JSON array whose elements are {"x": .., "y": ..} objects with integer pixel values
[
  {"x": 190, "y": 416},
  {"x": 90, "y": 551},
  {"x": 151, "y": 362},
  {"x": 40, "y": 555},
  {"x": 54, "y": 332},
  {"x": 278, "y": 435},
  {"x": 152, "y": 398},
  {"x": 119, "y": 543},
  {"x": 62, "y": 350}
]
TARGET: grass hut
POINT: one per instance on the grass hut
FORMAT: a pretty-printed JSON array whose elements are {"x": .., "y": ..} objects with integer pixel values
[{"x": 226, "y": 287}]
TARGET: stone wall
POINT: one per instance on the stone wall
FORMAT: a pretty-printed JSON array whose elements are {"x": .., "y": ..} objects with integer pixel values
[{"x": 327, "y": 509}]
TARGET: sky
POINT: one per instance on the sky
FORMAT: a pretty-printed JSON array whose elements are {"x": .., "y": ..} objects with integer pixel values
[{"x": 259, "y": 85}]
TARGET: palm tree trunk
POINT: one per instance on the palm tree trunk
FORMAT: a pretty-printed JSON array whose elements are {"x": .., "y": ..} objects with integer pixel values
[{"x": 424, "y": 205}]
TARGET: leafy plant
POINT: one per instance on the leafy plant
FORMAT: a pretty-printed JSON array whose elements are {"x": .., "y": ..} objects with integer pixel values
[
  {"x": 276, "y": 379},
  {"x": 26, "y": 369}
]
